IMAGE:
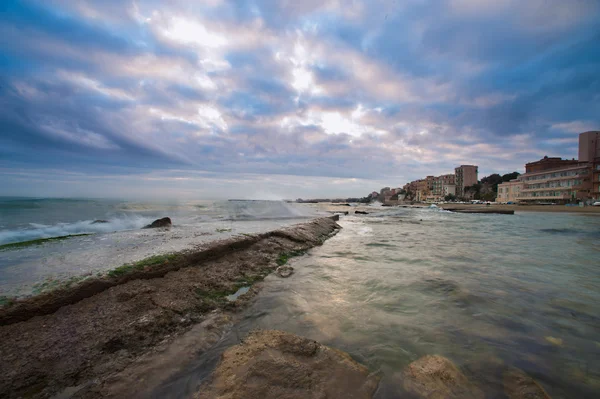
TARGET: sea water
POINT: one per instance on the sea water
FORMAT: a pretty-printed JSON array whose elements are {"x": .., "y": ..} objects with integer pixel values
[
  {"x": 489, "y": 292},
  {"x": 115, "y": 233}
]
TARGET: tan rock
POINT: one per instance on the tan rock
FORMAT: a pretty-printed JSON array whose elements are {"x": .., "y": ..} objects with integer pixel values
[
  {"x": 275, "y": 364},
  {"x": 518, "y": 385},
  {"x": 437, "y": 377}
]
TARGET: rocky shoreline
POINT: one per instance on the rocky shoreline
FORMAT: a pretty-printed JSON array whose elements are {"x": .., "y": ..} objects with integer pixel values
[
  {"x": 145, "y": 326},
  {"x": 78, "y": 340}
]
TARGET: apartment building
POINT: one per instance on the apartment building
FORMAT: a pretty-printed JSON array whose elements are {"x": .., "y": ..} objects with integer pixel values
[
  {"x": 465, "y": 176},
  {"x": 556, "y": 184},
  {"x": 589, "y": 151},
  {"x": 509, "y": 191},
  {"x": 443, "y": 185}
]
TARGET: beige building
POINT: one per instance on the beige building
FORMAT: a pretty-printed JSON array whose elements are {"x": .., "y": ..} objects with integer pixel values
[
  {"x": 465, "y": 176},
  {"x": 448, "y": 189},
  {"x": 509, "y": 191}
]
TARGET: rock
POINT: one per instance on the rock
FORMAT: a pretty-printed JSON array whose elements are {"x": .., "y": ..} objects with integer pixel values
[
  {"x": 361, "y": 213},
  {"x": 99, "y": 221},
  {"x": 518, "y": 385},
  {"x": 272, "y": 364},
  {"x": 164, "y": 222},
  {"x": 437, "y": 377},
  {"x": 284, "y": 271}
]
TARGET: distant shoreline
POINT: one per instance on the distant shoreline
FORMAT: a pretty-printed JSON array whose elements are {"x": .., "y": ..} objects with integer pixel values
[
  {"x": 528, "y": 208},
  {"x": 333, "y": 207}
]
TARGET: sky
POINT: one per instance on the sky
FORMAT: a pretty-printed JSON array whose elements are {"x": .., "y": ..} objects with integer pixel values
[{"x": 283, "y": 99}]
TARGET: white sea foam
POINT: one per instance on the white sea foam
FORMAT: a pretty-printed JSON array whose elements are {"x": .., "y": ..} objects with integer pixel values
[{"x": 80, "y": 227}]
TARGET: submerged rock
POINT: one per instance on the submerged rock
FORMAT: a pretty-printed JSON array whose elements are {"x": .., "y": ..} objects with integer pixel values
[
  {"x": 275, "y": 364},
  {"x": 361, "y": 213},
  {"x": 284, "y": 271},
  {"x": 99, "y": 221},
  {"x": 437, "y": 377},
  {"x": 164, "y": 222},
  {"x": 518, "y": 385}
]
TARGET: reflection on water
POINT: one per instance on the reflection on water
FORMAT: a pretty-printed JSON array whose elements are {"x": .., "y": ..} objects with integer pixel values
[{"x": 487, "y": 291}]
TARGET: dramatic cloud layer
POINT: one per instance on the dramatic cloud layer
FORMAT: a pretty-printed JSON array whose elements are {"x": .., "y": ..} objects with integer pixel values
[{"x": 287, "y": 98}]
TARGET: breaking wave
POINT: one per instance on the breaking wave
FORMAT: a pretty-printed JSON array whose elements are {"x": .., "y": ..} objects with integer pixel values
[{"x": 37, "y": 231}]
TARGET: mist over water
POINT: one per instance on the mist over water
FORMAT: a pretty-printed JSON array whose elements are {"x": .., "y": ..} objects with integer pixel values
[{"x": 487, "y": 291}]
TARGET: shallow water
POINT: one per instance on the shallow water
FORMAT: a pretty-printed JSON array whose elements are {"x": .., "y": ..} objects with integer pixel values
[{"x": 486, "y": 291}]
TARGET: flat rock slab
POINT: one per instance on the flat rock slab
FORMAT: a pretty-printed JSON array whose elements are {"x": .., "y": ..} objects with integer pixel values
[{"x": 271, "y": 364}]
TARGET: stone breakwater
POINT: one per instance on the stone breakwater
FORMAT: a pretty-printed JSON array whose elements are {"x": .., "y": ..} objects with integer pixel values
[{"x": 80, "y": 340}]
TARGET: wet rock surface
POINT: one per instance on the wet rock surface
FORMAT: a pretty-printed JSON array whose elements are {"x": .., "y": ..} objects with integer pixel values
[
  {"x": 271, "y": 364},
  {"x": 518, "y": 385},
  {"x": 437, "y": 377},
  {"x": 164, "y": 222}
]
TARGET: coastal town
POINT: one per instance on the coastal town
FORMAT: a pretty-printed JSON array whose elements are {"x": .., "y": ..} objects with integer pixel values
[{"x": 550, "y": 180}]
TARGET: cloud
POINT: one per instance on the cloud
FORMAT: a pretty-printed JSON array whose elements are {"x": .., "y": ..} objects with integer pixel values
[{"x": 320, "y": 91}]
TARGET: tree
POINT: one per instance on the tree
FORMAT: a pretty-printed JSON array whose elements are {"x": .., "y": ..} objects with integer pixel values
[
  {"x": 473, "y": 191},
  {"x": 450, "y": 197},
  {"x": 510, "y": 176},
  {"x": 492, "y": 181}
]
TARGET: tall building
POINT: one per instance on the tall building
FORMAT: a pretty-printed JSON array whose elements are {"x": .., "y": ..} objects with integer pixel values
[
  {"x": 589, "y": 151},
  {"x": 589, "y": 146},
  {"x": 465, "y": 176}
]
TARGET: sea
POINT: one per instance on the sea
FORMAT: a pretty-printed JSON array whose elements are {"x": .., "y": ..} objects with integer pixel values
[
  {"x": 109, "y": 233},
  {"x": 489, "y": 292}
]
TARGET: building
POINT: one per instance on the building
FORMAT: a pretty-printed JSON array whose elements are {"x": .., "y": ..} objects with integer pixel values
[
  {"x": 441, "y": 186},
  {"x": 565, "y": 180},
  {"x": 589, "y": 151},
  {"x": 465, "y": 176},
  {"x": 509, "y": 191},
  {"x": 589, "y": 146},
  {"x": 449, "y": 189},
  {"x": 549, "y": 163},
  {"x": 595, "y": 193},
  {"x": 422, "y": 190},
  {"x": 558, "y": 185}
]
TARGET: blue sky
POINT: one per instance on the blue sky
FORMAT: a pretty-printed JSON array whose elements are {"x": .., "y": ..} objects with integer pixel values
[{"x": 285, "y": 99}]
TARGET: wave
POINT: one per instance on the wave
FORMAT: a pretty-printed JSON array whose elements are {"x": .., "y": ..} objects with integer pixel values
[
  {"x": 257, "y": 210},
  {"x": 81, "y": 227}
]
